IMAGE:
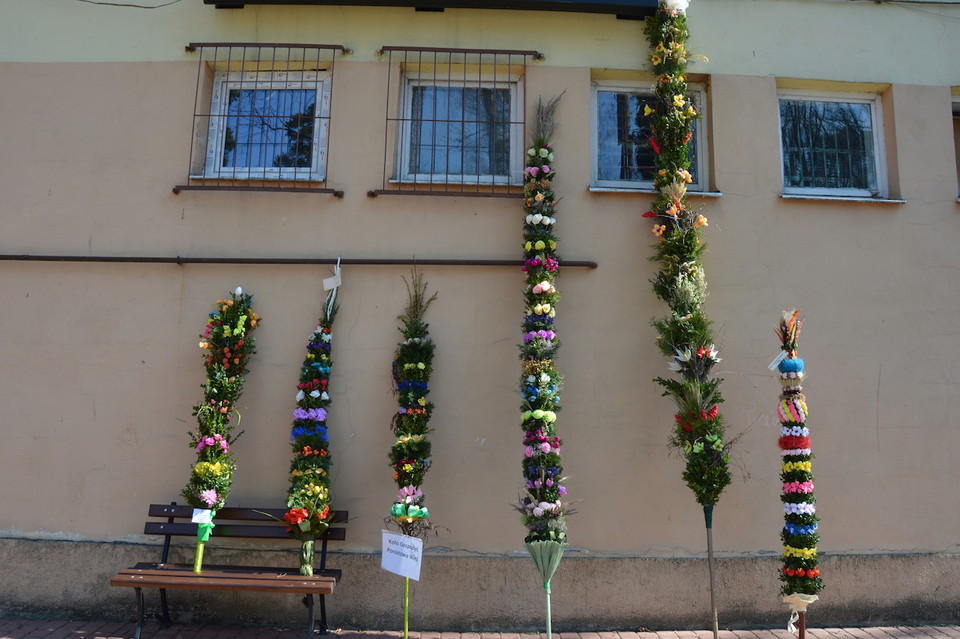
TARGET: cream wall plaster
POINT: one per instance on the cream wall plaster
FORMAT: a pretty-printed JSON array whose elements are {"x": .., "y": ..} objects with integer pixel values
[{"x": 820, "y": 39}]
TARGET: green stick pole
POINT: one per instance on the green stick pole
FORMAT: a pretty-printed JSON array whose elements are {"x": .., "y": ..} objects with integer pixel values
[
  {"x": 708, "y": 520},
  {"x": 546, "y": 588},
  {"x": 406, "y": 606},
  {"x": 198, "y": 557}
]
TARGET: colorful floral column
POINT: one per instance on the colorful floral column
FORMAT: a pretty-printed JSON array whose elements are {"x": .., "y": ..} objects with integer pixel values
[
  {"x": 228, "y": 341},
  {"x": 309, "y": 495},
  {"x": 685, "y": 334},
  {"x": 410, "y": 453},
  {"x": 801, "y": 573},
  {"x": 541, "y": 505}
]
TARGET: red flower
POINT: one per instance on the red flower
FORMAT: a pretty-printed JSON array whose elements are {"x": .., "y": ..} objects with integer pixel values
[
  {"x": 656, "y": 147},
  {"x": 649, "y": 214},
  {"x": 687, "y": 137},
  {"x": 296, "y": 516},
  {"x": 789, "y": 442},
  {"x": 713, "y": 412}
]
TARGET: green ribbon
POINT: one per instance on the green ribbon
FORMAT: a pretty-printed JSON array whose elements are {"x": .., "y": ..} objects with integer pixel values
[{"x": 204, "y": 530}]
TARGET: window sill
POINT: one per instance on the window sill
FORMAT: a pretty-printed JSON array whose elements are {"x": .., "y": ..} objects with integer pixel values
[
  {"x": 268, "y": 188},
  {"x": 840, "y": 198},
  {"x": 649, "y": 191}
]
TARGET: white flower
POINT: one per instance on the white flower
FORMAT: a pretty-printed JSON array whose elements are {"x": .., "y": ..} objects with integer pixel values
[
  {"x": 324, "y": 396},
  {"x": 674, "y": 366},
  {"x": 314, "y": 394},
  {"x": 536, "y": 218},
  {"x": 677, "y": 6},
  {"x": 239, "y": 291},
  {"x": 300, "y": 396},
  {"x": 544, "y": 378}
]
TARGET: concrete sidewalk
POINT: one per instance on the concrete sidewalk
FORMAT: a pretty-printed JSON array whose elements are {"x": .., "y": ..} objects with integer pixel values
[{"x": 31, "y": 629}]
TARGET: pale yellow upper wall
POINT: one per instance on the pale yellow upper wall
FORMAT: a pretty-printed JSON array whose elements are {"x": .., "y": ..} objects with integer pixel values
[{"x": 846, "y": 40}]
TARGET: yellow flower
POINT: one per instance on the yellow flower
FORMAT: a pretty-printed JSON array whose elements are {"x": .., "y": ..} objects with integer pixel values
[
  {"x": 528, "y": 246},
  {"x": 422, "y": 401},
  {"x": 678, "y": 100},
  {"x": 658, "y": 229},
  {"x": 407, "y": 467},
  {"x": 656, "y": 59},
  {"x": 691, "y": 112},
  {"x": 647, "y": 110},
  {"x": 680, "y": 78},
  {"x": 540, "y": 245},
  {"x": 553, "y": 245},
  {"x": 660, "y": 48}
]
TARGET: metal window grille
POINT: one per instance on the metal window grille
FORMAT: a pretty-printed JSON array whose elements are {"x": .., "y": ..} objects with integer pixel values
[
  {"x": 828, "y": 145},
  {"x": 261, "y": 117},
  {"x": 455, "y": 122}
]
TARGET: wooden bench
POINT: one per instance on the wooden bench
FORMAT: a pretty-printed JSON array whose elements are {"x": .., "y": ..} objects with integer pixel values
[{"x": 230, "y": 522}]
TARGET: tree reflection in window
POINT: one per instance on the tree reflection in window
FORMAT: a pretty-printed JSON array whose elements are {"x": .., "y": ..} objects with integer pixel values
[
  {"x": 828, "y": 145},
  {"x": 624, "y": 151},
  {"x": 269, "y": 128},
  {"x": 463, "y": 131}
]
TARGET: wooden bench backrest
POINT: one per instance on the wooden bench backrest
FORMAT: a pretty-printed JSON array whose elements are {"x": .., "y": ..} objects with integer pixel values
[{"x": 225, "y": 526}]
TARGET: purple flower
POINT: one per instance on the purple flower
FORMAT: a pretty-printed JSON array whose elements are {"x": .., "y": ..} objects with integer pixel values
[
  {"x": 209, "y": 497},
  {"x": 316, "y": 414},
  {"x": 549, "y": 483},
  {"x": 546, "y": 168},
  {"x": 562, "y": 489}
]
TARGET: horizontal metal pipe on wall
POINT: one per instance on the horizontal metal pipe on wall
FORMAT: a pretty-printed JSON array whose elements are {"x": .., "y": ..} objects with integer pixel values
[{"x": 277, "y": 260}]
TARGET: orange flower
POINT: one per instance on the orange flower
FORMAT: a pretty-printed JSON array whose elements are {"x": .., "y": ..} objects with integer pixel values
[
  {"x": 658, "y": 229},
  {"x": 701, "y": 221}
]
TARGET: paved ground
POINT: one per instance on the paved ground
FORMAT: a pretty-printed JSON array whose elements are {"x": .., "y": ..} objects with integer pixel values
[{"x": 28, "y": 629}]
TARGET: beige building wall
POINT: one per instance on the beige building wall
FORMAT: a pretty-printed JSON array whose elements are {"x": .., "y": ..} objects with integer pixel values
[{"x": 99, "y": 364}]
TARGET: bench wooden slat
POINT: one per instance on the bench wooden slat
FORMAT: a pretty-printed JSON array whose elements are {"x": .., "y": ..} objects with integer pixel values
[
  {"x": 212, "y": 580},
  {"x": 334, "y": 573},
  {"x": 233, "y": 530}
]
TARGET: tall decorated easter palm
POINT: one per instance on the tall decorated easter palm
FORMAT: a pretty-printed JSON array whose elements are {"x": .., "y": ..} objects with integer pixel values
[
  {"x": 541, "y": 505},
  {"x": 685, "y": 333}
]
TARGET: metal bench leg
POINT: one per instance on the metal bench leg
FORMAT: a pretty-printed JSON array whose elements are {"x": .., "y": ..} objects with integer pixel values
[
  {"x": 136, "y": 633},
  {"x": 308, "y": 600},
  {"x": 164, "y": 609},
  {"x": 324, "y": 630}
]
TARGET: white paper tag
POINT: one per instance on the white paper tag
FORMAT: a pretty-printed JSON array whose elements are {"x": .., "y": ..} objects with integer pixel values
[
  {"x": 776, "y": 362},
  {"x": 333, "y": 282},
  {"x": 401, "y": 555},
  {"x": 202, "y": 516}
]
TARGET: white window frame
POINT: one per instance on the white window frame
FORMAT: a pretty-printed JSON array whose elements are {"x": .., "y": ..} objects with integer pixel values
[
  {"x": 225, "y": 81},
  {"x": 700, "y": 160},
  {"x": 516, "y": 131},
  {"x": 955, "y": 122},
  {"x": 879, "y": 148}
]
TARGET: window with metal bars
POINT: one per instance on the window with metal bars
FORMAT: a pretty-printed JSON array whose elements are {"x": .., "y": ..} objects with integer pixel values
[
  {"x": 455, "y": 120},
  {"x": 831, "y": 145},
  {"x": 261, "y": 117}
]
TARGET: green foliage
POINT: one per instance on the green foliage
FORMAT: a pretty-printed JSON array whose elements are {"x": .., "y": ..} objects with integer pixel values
[{"x": 685, "y": 334}]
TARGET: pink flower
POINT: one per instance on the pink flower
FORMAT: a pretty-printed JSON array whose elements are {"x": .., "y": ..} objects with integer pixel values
[
  {"x": 562, "y": 489},
  {"x": 528, "y": 451},
  {"x": 209, "y": 497},
  {"x": 545, "y": 447},
  {"x": 546, "y": 169}
]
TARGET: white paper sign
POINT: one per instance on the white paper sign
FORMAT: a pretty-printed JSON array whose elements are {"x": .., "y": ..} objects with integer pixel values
[
  {"x": 202, "y": 516},
  {"x": 776, "y": 361},
  {"x": 335, "y": 281},
  {"x": 401, "y": 555}
]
